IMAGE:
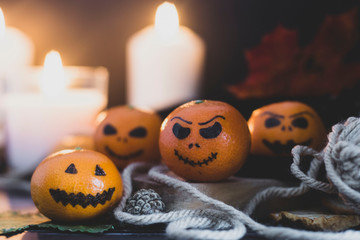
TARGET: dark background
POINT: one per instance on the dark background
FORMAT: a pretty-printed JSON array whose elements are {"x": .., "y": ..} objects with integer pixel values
[{"x": 94, "y": 32}]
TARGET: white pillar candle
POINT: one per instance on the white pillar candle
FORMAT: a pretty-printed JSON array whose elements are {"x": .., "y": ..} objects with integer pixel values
[
  {"x": 16, "y": 54},
  {"x": 16, "y": 49},
  {"x": 164, "y": 62},
  {"x": 35, "y": 121}
]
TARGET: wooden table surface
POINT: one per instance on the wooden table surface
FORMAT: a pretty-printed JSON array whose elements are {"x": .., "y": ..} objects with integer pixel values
[
  {"x": 12, "y": 198},
  {"x": 15, "y": 195}
]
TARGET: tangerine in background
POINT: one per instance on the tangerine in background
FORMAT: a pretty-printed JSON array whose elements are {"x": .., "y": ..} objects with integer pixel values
[
  {"x": 204, "y": 141},
  {"x": 126, "y": 134},
  {"x": 276, "y": 128},
  {"x": 76, "y": 185}
]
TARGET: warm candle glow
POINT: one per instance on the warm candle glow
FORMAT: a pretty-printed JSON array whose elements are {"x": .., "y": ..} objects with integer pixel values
[
  {"x": 52, "y": 81},
  {"x": 167, "y": 20},
  {"x": 2, "y": 24}
]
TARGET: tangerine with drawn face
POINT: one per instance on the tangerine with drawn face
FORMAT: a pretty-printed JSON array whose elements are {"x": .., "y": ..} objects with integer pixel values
[
  {"x": 276, "y": 128},
  {"x": 204, "y": 141},
  {"x": 126, "y": 135},
  {"x": 76, "y": 185}
]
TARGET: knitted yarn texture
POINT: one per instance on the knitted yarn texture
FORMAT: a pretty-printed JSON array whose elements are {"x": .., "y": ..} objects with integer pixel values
[
  {"x": 341, "y": 158},
  {"x": 221, "y": 221}
]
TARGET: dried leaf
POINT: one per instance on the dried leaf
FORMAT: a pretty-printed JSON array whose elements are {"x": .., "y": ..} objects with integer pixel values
[{"x": 279, "y": 67}]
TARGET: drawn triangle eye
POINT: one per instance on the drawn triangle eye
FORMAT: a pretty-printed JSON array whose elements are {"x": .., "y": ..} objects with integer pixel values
[
  {"x": 71, "y": 169},
  {"x": 99, "y": 171}
]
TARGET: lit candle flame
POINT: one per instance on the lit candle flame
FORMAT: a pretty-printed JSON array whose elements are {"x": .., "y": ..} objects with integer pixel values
[
  {"x": 167, "y": 20},
  {"x": 2, "y": 24},
  {"x": 52, "y": 82}
]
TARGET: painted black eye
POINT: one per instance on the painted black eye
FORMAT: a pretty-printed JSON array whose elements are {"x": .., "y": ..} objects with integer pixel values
[
  {"x": 138, "y": 132},
  {"x": 180, "y": 132},
  {"x": 300, "y": 122},
  {"x": 272, "y": 122},
  {"x": 71, "y": 169},
  {"x": 109, "y": 129},
  {"x": 99, "y": 171},
  {"x": 211, "y": 132}
]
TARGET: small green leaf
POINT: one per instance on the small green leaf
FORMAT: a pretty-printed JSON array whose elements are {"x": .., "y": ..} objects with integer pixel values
[
  {"x": 15, "y": 222},
  {"x": 93, "y": 228}
]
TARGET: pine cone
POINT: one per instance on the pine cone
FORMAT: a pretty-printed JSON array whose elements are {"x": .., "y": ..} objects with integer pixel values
[{"x": 144, "y": 201}]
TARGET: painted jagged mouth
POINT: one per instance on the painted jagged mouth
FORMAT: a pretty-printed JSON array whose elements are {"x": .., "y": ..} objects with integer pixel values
[
  {"x": 80, "y": 198},
  {"x": 196, "y": 163},
  {"x": 123, "y": 157},
  {"x": 278, "y": 148}
]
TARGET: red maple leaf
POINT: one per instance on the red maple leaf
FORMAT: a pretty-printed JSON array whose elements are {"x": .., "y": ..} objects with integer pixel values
[{"x": 279, "y": 67}]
